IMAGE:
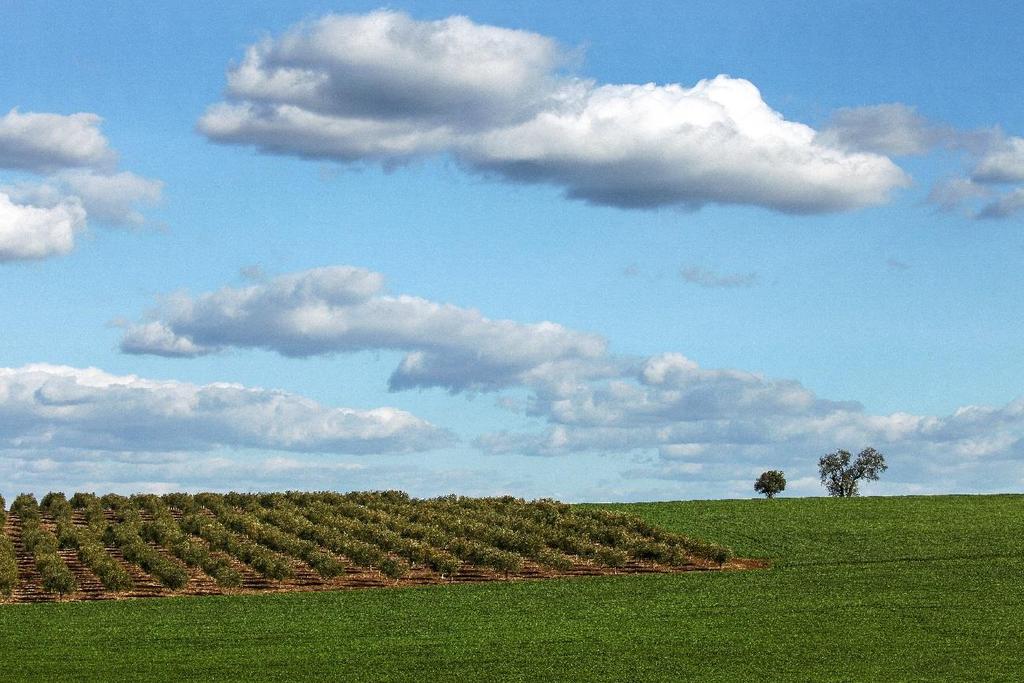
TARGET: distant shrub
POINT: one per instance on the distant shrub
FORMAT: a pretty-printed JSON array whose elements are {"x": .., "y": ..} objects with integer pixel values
[
  {"x": 770, "y": 483},
  {"x": 392, "y": 568},
  {"x": 611, "y": 557}
]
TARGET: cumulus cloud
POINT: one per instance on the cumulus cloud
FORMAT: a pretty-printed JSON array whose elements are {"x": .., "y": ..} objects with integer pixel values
[
  {"x": 696, "y": 275},
  {"x": 386, "y": 88},
  {"x": 43, "y": 143},
  {"x": 59, "y": 407},
  {"x": 892, "y": 129},
  {"x": 386, "y": 66},
  {"x": 700, "y": 421},
  {"x": 1001, "y": 162},
  {"x": 30, "y": 232},
  {"x": 40, "y": 219},
  {"x": 584, "y": 401},
  {"x": 344, "y": 309},
  {"x": 113, "y": 199}
]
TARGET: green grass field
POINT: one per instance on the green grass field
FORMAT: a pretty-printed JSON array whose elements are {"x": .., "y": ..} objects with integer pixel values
[{"x": 861, "y": 589}]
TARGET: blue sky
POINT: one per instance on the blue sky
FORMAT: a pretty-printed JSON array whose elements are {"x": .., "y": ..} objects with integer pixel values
[{"x": 833, "y": 263}]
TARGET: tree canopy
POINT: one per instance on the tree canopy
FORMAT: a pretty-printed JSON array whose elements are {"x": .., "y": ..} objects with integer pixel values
[
  {"x": 770, "y": 483},
  {"x": 841, "y": 477}
]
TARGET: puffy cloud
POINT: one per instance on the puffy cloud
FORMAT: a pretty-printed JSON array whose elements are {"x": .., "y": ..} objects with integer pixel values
[
  {"x": 664, "y": 413},
  {"x": 717, "y": 429},
  {"x": 345, "y": 309},
  {"x": 893, "y": 129},
  {"x": 36, "y": 232},
  {"x": 59, "y": 407},
  {"x": 645, "y": 146},
  {"x": 157, "y": 339},
  {"x": 383, "y": 87},
  {"x": 1002, "y": 162},
  {"x": 386, "y": 66},
  {"x": 43, "y": 143},
  {"x": 40, "y": 219},
  {"x": 712, "y": 280},
  {"x": 113, "y": 199},
  {"x": 286, "y": 129}
]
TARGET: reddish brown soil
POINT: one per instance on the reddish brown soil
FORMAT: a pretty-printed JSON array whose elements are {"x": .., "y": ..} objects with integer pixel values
[{"x": 303, "y": 579}]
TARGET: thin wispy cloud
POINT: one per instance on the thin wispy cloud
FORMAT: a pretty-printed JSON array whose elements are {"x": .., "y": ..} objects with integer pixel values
[
  {"x": 702, "y": 277},
  {"x": 1010, "y": 204},
  {"x": 893, "y": 129},
  {"x": 992, "y": 161}
]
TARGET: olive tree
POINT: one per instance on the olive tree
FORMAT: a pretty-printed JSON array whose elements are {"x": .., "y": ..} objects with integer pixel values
[
  {"x": 840, "y": 477},
  {"x": 770, "y": 483}
]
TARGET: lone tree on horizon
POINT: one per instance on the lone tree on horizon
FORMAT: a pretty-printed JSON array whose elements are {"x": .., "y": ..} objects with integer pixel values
[
  {"x": 841, "y": 478},
  {"x": 770, "y": 483}
]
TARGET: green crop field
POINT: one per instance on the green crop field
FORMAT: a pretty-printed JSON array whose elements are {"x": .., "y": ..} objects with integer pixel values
[{"x": 861, "y": 589}]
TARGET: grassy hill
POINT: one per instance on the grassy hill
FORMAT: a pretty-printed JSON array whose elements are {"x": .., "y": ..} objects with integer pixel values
[{"x": 871, "y": 588}]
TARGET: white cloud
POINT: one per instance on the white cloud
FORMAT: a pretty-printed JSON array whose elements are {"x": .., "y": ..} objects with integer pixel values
[
  {"x": 717, "y": 429},
  {"x": 157, "y": 339},
  {"x": 383, "y": 87},
  {"x": 43, "y": 143},
  {"x": 113, "y": 199},
  {"x": 40, "y": 219},
  {"x": 646, "y": 146},
  {"x": 1003, "y": 162},
  {"x": 701, "y": 421},
  {"x": 44, "y": 407},
  {"x": 345, "y": 309},
  {"x": 666, "y": 408},
  {"x": 384, "y": 65},
  {"x": 286, "y": 129},
  {"x": 30, "y": 232}
]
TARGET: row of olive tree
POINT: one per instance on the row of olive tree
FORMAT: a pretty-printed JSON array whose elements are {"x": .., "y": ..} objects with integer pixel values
[{"x": 840, "y": 477}]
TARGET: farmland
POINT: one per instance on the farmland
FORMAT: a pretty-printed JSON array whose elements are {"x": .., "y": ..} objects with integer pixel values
[
  {"x": 861, "y": 589},
  {"x": 114, "y": 546}
]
